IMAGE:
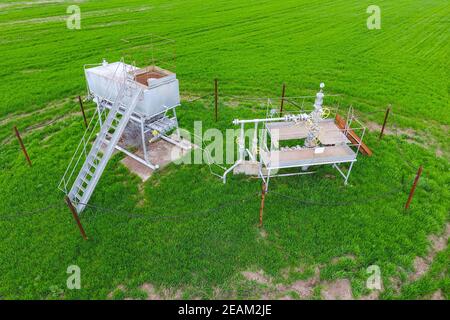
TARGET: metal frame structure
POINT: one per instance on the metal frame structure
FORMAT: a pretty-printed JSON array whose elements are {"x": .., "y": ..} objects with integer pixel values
[
  {"x": 116, "y": 106},
  {"x": 326, "y": 145},
  {"x": 152, "y": 124}
]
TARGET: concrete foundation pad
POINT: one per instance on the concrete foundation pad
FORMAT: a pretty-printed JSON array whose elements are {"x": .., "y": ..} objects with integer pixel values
[
  {"x": 249, "y": 168},
  {"x": 161, "y": 153}
]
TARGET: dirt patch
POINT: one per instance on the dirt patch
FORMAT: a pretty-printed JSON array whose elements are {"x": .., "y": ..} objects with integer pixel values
[
  {"x": 266, "y": 296},
  {"x": 336, "y": 260},
  {"x": 137, "y": 168},
  {"x": 263, "y": 233},
  {"x": 258, "y": 277},
  {"x": 304, "y": 288},
  {"x": 232, "y": 103},
  {"x": 296, "y": 270},
  {"x": 438, "y": 244},
  {"x": 373, "y": 126},
  {"x": 110, "y": 24},
  {"x": 40, "y": 126},
  {"x": 337, "y": 290},
  {"x": 29, "y": 71},
  {"x": 249, "y": 168},
  {"x": 63, "y": 18},
  {"x": 421, "y": 138},
  {"x": 161, "y": 293},
  {"x": 421, "y": 267},
  {"x": 374, "y": 295},
  {"x": 25, "y": 4},
  {"x": 141, "y": 195},
  {"x": 52, "y": 106},
  {"x": 438, "y": 295},
  {"x": 190, "y": 97},
  {"x": 149, "y": 289},
  {"x": 330, "y": 290},
  {"x": 120, "y": 288},
  {"x": 396, "y": 284}
]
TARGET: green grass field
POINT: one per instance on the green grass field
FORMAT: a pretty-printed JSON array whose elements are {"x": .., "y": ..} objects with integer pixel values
[{"x": 183, "y": 231}]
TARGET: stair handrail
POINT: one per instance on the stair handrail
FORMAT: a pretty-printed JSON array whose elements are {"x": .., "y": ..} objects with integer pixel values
[
  {"x": 83, "y": 142},
  {"x": 77, "y": 155}
]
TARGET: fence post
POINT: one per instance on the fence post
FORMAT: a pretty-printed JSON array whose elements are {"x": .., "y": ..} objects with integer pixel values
[
  {"x": 216, "y": 96},
  {"x": 82, "y": 111},
  {"x": 24, "y": 150},
  {"x": 261, "y": 208},
  {"x": 413, "y": 188},
  {"x": 384, "y": 122},
  {"x": 75, "y": 216},
  {"x": 282, "y": 99}
]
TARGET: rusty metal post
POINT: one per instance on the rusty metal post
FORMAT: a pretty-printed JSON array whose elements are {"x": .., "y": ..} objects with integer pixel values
[
  {"x": 282, "y": 99},
  {"x": 261, "y": 209},
  {"x": 75, "y": 216},
  {"x": 384, "y": 122},
  {"x": 22, "y": 145},
  {"x": 413, "y": 188},
  {"x": 82, "y": 111},
  {"x": 216, "y": 96}
]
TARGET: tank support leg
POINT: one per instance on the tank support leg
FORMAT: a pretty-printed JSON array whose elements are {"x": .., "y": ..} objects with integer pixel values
[{"x": 144, "y": 144}]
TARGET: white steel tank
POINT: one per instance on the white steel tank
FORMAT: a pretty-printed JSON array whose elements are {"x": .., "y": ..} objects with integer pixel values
[{"x": 160, "y": 87}]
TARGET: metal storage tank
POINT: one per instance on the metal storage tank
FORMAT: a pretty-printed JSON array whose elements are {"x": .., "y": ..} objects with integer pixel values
[{"x": 160, "y": 86}]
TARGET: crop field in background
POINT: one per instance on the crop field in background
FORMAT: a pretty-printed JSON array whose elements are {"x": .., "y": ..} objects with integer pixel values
[{"x": 184, "y": 234}]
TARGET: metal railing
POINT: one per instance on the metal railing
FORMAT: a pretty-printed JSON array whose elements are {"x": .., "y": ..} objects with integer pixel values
[
  {"x": 79, "y": 152},
  {"x": 82, "y": 148}
]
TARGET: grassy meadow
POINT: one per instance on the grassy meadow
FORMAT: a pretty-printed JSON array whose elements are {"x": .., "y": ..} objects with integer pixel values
[{"x": 185, "y": 234}]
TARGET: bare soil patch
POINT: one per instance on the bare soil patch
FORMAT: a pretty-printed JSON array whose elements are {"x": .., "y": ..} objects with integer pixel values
[
  {"x": 258, "y": 277},
  {"x": 149, "y": 289},
  {"x": 336, "y": 260},
  {"x": 412, "y": 136},
  {"x": 374, "y": 295},
  {"x": 437, "y": 244},
  {"x": 340, "y": 289},
  {"x": 54, "y": 105},
  {"x": 263, "y": 233},
  {"x": 438, "y": 295},
  {"x": 120, "y": 288},
  {"x": 303, "y": 288}
]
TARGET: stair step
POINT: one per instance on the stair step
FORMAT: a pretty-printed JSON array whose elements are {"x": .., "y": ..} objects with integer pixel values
[
  {"x": 89, "y": 172},
  {"x": 99, "y": 155},
  {"x": 81, "y": 188},
  {"x": 95, "y": 158},
  {"x": 91, "y": 165},
  {"x": 84, "y": 180}
]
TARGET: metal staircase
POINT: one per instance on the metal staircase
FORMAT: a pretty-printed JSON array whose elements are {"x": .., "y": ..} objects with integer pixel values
[{"x": 110, "y": 132}]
